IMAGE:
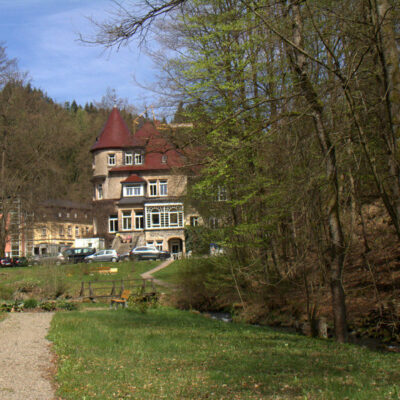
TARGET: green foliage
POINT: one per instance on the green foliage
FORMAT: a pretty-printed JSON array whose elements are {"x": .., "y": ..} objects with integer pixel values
[
  {"x": 205, "y": 284},
  {"x": 142, "y": 303},
  {"x": 48, "y": 305},
  {"x": 30, "y": 303}
]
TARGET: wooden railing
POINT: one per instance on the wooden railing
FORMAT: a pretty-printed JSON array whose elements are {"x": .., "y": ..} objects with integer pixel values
[{"x": 114, "y": 288}]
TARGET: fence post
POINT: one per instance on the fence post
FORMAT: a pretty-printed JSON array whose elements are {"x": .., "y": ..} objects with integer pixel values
[
  {"x": 90, "y": 289},
  {"x": 82, "y": 292},
  {"x": 113, "y": 289},
  {"x": 153, "y": 285}
]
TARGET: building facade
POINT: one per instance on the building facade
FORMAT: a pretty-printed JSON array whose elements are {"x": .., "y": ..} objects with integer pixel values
[
  {"x": 57, "y": 224},
  {"x": 53, "y": 226},
  {"x": 138, "y": 187}
]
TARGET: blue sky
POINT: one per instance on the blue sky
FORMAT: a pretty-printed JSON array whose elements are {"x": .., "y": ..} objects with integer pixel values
[{"x": 42, "y": 35}]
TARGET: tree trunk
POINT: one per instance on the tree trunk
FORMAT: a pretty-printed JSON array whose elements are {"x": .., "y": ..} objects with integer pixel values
[{"x": 337, "y": 245}]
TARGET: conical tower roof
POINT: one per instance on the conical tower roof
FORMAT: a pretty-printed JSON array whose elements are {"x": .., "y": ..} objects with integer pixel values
[{"x": 115, "y": 134}]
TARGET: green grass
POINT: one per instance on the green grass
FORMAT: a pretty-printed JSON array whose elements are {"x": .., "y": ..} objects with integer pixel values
[
  {"x": 171, "y": 354},
  {"x": 170, "y": 273},
  {"x": 44, "y": 281}
]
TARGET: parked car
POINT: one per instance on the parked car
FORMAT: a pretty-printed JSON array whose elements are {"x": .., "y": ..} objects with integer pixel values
[
  {"x": 103, "y": 255},
  {"x": 6, "y": 262},
  {"x": 57, "y": 259},
  {"x": 78, "y": 254},
  {"x": 125, "y": 256},
  {"x": 19, "y": 261},
  {"x": 149, "y": 253}
]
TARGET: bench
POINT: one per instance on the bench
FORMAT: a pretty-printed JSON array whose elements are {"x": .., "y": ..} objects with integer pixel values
[{"x": 121, "y": 300}]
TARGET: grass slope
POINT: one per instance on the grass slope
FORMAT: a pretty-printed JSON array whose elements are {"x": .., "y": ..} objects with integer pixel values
[
  {"x": 171, "y": 354},
  {"x": 44, "y": 281}
]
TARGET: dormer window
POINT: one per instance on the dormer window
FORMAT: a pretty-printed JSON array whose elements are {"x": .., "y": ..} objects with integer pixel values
[
  {"x": 164, "y": 158},
  {"x": 133, "y": 190},
  {"x": 111, "y": 159},
  {"x": 139, "y": 159},
  {"x": 128, "y": 158}
]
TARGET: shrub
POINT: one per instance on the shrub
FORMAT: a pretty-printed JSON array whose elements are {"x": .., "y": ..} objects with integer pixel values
[
  {"x": 30, "y": 303},
  {"x": 48, "y": 306},
  {"x": 140, "y": 302},
  {"x": 67, "y": 305},
  {"x": 27, "y": 286},
  {"x": 6, "y": 292},
  {"x": 206, "y": 284}
]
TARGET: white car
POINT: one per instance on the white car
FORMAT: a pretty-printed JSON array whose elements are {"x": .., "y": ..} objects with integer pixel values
[{"x": 103, "y": 255}]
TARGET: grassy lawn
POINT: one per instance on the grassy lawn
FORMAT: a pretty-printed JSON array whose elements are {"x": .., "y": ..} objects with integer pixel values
[
  {"x": 169, "y": 274},
  {"x": 171, "y": 354},
  {"x": 46, "y": 280}
]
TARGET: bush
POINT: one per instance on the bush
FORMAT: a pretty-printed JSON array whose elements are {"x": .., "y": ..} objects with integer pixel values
[
  {"x": 6, "y": 292},
  {"x": 141, "y": 303},
  {"x": 67, "y": 305},
  {"x": 27, "y": 286},
  {"x": 48, "y": 306},
  {"x": 30, "y": 303},
  {"x": 206, "y": 284}
]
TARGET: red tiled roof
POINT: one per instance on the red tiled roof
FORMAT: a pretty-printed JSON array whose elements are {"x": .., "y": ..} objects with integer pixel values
[
  {"x": 115, "y": 134},
  {"x": 133, "y": 179}
]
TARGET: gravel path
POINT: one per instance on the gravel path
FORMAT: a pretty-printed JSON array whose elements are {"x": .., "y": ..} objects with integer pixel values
[
  {"x": 25, "y": 357},
  {"x": 148, "y": 274}
]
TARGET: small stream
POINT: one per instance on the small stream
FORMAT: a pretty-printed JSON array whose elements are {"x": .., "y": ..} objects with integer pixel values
[{"x": 370, "y": 343}]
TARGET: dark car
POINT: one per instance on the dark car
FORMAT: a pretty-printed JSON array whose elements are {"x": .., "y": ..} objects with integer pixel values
[
  {"x": 149, "y": 253},
  {"x": 78, "y": 254},
  {"x": 6, "y": 262},
  {"x": 19, "y": 261}
]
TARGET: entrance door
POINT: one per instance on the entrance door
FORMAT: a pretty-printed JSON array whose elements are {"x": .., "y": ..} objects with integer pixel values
[{"x": 176, "y": 246}]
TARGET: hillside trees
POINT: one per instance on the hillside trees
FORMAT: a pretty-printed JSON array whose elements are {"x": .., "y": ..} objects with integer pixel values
[{"x": 293, "y": 105}]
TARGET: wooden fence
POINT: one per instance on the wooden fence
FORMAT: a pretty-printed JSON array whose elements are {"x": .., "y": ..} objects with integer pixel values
[{"x": 114, "y": 288}]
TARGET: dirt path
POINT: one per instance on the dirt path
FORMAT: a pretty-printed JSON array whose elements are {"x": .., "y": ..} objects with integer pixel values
[
  {"x": 25, "y": 357},
  {"x": 148, "y": 274}
]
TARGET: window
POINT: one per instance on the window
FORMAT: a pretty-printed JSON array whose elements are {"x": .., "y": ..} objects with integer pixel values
[
  {"x": 59, "y": 215},
  {"x": 155, "y": 218},
  {"x": 163, "y": 188},
  {"x": 126, "y": 220},
  {"x": 111, "y": 159},
  {"x": 113, "y": 223},
  {"x": 221, "y": 194},
  {"x": 153, "y": 188},
  {"x": 133, "y": 190},
  {"x": 149, "y": 243},
  {"x": 61, "y": 230},
  {"x": 69, "y": 230},
  {"x": 139, "y": 220},
  {"x": 44, "y": 231},
  {"x": 194, "y": 221},
  {"x": 76, "y": 231},
  {"x": 164, "y": 158},
  {"x": 75, "y": 215},
  {"x": 162, "y": 216},
  {"x": 87, "y": 230},
  {"x": 139, "y": 159},
  {"x": 128, "y": 158},
  {"x": 173, "y": 217},
  {"x": 213, "y": 222},
  {"x": 99, "y": 191},
  {"x": 159, "y": 244}
]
